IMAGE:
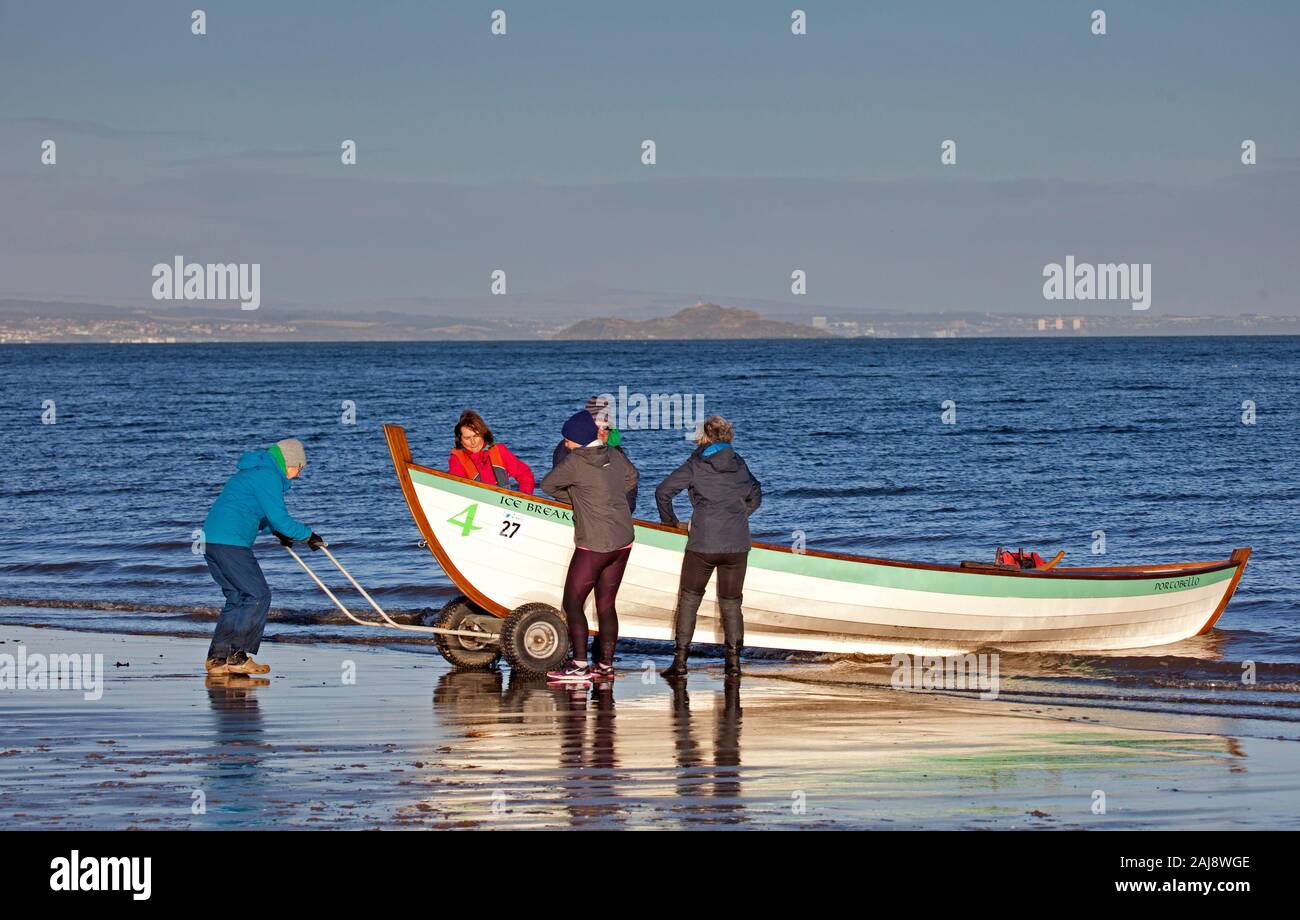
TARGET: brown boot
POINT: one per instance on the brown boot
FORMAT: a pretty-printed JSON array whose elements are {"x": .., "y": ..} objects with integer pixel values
[{"x": 240, "y": 663}]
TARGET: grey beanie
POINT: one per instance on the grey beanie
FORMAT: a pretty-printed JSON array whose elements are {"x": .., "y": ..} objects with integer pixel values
[{"x": 293, "y": 452}]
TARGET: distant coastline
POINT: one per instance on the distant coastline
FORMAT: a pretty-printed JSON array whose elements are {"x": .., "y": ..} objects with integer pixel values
[
  {"x": 702, "y": 321},
  {"x": 41, "y": 322}
]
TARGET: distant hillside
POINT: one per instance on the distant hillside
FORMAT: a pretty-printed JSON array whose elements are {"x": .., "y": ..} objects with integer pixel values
[{"x": 702, "y": 321}]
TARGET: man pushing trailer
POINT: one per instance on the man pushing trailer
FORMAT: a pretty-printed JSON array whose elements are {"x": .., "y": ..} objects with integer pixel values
[{"x": 252, "y": 503}]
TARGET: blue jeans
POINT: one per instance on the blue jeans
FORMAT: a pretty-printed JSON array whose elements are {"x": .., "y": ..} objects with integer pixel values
[{"x": 248, "y": 598}]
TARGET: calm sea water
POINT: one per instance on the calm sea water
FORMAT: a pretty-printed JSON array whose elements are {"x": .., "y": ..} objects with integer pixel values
[{"x": 1054, "y": 440}]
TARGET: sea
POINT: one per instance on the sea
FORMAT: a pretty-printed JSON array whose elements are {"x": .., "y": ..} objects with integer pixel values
[{"x": 1116, "y": 450}]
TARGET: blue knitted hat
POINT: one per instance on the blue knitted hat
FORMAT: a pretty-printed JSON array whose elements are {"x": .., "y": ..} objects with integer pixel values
[{"x": 580, "y": 428}]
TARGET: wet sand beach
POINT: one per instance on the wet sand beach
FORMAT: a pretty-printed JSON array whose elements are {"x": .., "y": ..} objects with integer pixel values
[{"x": 410, "y": 743}]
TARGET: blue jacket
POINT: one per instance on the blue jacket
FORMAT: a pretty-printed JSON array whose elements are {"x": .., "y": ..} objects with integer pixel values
[{"x": 252, "y": 503}]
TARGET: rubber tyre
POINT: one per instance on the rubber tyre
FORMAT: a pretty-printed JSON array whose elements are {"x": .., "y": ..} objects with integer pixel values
[
  {"x": 460, "y": 651},
  {"x": 535, "y": 640}
]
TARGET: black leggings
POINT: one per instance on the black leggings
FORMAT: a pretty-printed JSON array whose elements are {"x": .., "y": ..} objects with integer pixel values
[
  {"x": 697, "y": 567},
  {"x": 604, "y": 572}
]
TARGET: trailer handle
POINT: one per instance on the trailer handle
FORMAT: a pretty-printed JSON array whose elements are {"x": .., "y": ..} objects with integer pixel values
[{"x": 388, "y": 621}]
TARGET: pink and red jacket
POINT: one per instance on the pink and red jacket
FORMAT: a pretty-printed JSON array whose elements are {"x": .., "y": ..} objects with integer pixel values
[{"x": 496, "y": 465}]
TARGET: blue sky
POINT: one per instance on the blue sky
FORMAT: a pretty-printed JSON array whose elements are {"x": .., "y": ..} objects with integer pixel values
[{"x": 522, "y": 151}]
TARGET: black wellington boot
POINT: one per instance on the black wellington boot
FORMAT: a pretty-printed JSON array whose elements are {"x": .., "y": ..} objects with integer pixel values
[
  {"x": 733, "y": 631},
  {"x": 688, "y": 605}
]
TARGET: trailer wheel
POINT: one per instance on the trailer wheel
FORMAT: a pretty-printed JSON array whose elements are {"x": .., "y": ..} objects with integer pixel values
[
  {"x": 535, "y": 639},
  {"x": 462, "y": 651}
]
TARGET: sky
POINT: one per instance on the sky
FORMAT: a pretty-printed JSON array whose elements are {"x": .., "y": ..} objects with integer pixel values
[{"x": 775, "y": 152}]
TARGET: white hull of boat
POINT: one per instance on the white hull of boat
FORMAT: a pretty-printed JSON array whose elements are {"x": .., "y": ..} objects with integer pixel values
[{"x": 505, "y": 549}]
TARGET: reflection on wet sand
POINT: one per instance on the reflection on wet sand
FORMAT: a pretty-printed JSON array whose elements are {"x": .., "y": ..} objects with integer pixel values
[
  {"x": 695, "y": 775},
  {"x": 234, "y": 782},
  {"x": 589, "y": 779},
  {"x": 578, "y": 728},
  {"x": 307, "y": 749},
  {"x": 563, "y": 757}
]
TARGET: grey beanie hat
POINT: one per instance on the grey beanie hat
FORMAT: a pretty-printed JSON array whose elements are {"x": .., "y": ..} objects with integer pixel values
[{"x": 293, "y": 452}]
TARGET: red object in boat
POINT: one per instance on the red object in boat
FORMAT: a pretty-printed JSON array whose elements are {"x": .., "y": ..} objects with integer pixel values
[{"x": 1019, "y": 560}]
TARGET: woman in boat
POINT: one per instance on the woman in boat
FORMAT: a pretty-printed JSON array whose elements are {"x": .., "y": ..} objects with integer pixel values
[
  {"x": 723, "y": 495},
  {"x": 595, "y": 480},
  {"x": 477, "y": 456}
]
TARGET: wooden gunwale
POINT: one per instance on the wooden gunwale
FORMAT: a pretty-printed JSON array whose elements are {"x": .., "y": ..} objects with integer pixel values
[{"x": 399, "y": 448}]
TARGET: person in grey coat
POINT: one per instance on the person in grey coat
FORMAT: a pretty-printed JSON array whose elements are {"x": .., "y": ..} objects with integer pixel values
[
  {"x": 723, "y": 494},
  {"x": 595, "y": 480},
  {"x": 610, "y": 436}
]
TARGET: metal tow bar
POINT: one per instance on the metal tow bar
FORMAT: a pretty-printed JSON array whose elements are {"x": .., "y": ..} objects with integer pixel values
[{"x": 387, "y": 620}]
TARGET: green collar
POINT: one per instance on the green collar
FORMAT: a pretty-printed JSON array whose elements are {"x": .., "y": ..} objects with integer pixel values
[{"x": 278, "y": 456}]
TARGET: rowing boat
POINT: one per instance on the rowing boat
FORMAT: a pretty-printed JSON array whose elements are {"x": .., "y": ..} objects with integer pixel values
[{"x": 508, "y": 552}]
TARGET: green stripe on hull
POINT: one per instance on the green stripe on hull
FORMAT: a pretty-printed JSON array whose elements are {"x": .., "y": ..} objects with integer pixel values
[{"x": 865, "y": 573}]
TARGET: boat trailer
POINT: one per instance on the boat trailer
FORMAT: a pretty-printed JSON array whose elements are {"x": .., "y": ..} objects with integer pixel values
[{"x": 534, "y": 638}]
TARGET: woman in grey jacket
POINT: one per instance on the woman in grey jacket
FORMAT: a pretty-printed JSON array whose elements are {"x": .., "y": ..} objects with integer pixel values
[
  {"x": 723, "y": 495},
  {"x": 595, "y": 480}
]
